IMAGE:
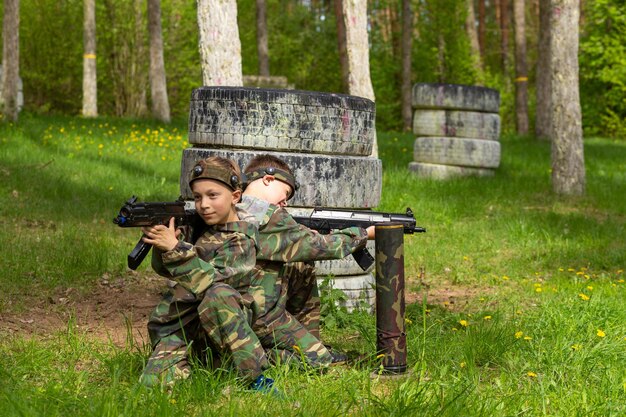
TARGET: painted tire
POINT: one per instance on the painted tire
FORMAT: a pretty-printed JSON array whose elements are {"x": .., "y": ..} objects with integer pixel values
[
  {"x": 325, "y": 180},
  {"x": 455, "y": 97},
  {"x": 281, "y": 120},
  {"x": 466, "y": 124},
  {"x": 357, "y": 288},
  {"x": 462, "y": 152},
  {"x": 443, "y": 172}
]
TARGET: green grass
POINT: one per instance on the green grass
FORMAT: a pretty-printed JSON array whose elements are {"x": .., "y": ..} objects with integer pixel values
[{"x": 541, "y": 329}]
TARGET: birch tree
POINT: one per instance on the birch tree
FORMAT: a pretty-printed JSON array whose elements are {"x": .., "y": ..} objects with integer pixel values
[
  {"x": 158, "y": 83},
  {"x": 220, "y": 47},
  {"x": 90, "y": 81},
  {"x": 10, "y": 58},
  {"x": 357, "y": 51},
  {"x": 568, "y": 163}
]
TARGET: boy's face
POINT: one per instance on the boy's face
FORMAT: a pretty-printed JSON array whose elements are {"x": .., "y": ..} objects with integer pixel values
[
  {"x": 214, "y": 201},
  {"x": 275, "y": 191}
]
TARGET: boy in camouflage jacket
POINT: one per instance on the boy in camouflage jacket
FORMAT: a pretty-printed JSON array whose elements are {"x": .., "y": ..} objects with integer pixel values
[
  {"x": 207, "y": 273},
  {"x": 283, "y": 285}
]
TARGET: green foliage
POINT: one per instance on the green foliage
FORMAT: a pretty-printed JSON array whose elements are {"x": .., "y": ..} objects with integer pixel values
[{"x": 603, "y": 68}]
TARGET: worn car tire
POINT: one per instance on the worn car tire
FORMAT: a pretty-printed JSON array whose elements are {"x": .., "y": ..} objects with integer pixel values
[
  {"x": 457, "y": 151},
  {"x": 325, "y": 180},
  {"x": 466, "y": 124},
  {"x": 455, "y": 97},
  {"x": 443, "y": 172},
  {"x": 282, "y": 120}
]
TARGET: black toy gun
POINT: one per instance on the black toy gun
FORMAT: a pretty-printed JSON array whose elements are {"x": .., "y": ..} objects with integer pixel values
[
  {"x": 134, "y": 214},
  {"x": 325, "y": 219}
]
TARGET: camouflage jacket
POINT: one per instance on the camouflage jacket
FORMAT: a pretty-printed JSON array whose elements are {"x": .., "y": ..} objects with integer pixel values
[
  {"x": 223, "y": 253},
  {"x": 280, "y": 240}
]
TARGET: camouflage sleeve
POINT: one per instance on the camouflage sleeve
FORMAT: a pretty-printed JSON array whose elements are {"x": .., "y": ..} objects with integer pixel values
[
  {"x": 283, "y": 239},
  {"x": 196, "y": 269}
]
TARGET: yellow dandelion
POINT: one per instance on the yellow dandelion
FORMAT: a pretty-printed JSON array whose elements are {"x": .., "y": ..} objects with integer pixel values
[
  {"x": 589, "y": 287},
  {"x": 576, "y": 346},
  {"x": 621, "y": 281},
  {"x": 466, "y": 258},
  {"x": 561, "y": 270},
  {"x": 463, "y": 323},
  {"x": 571, "y": 269},
  {"x": 528, "y": 338},
  {"x": 580, "y": 273},
  {"x": 619, "y": 271},
  {"x": 408, "y": 321},
  {"x": 583, "y": 297},
  {"x": 531, "y": 374},
  {"x": 519, "y": 334},
  {"x": 600, "y": 333},
  {"x": 462, "y": 364},
  {"x": 505, "y": 278},
  {"x": 487, "y": 318},
  {"x": 538, "y": 289}
]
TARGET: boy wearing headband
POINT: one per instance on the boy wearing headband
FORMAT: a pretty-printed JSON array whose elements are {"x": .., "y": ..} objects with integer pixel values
[
  {"x": 284, "y": 285},
  {"x": 207, "y": 271}
]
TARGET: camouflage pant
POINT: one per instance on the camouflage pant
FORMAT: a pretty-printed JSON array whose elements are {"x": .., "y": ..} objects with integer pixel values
[
  {"x": 219, "y": 323},
  {"x": 303, "y": 299}
]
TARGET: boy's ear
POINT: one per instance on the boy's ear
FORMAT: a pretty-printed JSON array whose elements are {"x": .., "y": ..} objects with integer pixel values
[
  {"x": 236, "y": 196},
  {"x": 267, "y": 179}
]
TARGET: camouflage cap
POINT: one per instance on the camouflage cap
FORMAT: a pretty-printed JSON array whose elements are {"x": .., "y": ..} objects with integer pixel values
[
  {"x": 210, "y": 172},
  {"x": 279, "y": 174}
]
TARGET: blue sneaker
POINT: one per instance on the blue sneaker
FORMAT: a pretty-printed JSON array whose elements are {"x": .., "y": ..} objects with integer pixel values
[{"x": 265, "y": 385}]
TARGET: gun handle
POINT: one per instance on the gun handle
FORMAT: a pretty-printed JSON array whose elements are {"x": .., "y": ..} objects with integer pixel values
[
  {"x": 139, "y": 252},
  {"x": 363, "y": 258}
]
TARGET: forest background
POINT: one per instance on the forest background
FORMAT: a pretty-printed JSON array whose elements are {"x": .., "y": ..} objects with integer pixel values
[{"x": 303, "y": 47}]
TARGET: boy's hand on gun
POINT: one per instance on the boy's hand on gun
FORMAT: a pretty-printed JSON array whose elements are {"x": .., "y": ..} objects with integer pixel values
[
  {"x": 161, "y": 236},
  {"x": 371, "y": 232}
]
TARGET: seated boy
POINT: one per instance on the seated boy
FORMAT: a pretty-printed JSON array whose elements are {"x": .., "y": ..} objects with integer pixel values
[
  {"x": 285, "y": 251},
  {"x": 209, "y": 271}
]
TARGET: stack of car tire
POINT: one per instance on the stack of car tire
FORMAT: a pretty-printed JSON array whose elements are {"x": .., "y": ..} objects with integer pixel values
[
  {"x": 457, "y": 129},
  {"x": 325, "y": 138}
]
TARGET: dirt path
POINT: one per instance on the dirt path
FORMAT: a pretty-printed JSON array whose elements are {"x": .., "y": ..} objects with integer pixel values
[
  {"x": 112, "y": 309},
  {"x": 117, "y": 307}
]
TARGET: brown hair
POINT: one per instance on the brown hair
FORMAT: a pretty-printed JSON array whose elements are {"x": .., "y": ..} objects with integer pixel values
[{"x": 267, "y": 161}]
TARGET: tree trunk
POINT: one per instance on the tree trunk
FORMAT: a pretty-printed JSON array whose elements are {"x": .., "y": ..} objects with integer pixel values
[
  {"x": 220, "y": 47},
  {"x": 542, "y": 118},
  {"x": 504, "y": 28},
  {"x": 357, "y": 48},
  {"x": 261, "y": 38},
  {"x": 472, "y": 34},
  {"x": 10, "y": 58},
  {"x": 158, "y": 83},
  {"x": 407, "y": 42},
  {"x": 90, "y": 81},
  {"x": 568, "y": 163},
  {"x": 341, "y": 43},
  {"x": 521, "y": 71},
  {"x": 481, "y": 28}
]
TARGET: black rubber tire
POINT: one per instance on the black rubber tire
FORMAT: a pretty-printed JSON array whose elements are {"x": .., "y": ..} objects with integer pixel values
[
  {"x": 463, "y": 152},
  {"x": 443, "y": 172},
  {"x": 466, "y": 124},
  {"x": 282, "y": 120},
  {"x": 455, "y": 97},
  {"x": 325, "y": 180}
]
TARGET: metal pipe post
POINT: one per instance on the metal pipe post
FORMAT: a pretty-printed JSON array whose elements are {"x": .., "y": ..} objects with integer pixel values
[{"x": 390, "y": 304}]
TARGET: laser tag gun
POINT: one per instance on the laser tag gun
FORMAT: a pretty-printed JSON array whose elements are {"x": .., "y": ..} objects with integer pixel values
[
  {"x": 134, "y": 214},
  {"x": 326, "y": 219}
]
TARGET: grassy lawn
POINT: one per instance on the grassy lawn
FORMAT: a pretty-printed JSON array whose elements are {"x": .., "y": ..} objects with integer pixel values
[{"x": 519, "y": 312}]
